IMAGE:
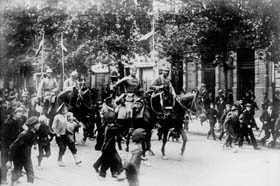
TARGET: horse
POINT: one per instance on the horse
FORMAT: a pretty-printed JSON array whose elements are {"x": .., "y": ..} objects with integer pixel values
[
  {"x": 143, "y": 117},
  {"x": 173, "y": 116}
]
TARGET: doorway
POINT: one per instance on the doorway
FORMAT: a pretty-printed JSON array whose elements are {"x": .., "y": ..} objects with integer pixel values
[
  {"x": 210, "y": 81},
  {"x": 245, "y": 72}
]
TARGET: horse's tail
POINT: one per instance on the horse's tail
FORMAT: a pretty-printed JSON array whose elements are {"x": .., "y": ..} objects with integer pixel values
[{"x": 131, "y": 173}]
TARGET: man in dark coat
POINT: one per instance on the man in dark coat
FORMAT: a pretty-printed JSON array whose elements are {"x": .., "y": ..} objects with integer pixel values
[
  {"x": 221, "y": 105},
  {"x": 10, "y": 130},
  {"x": 20, "y": 151},
  {"x": 268, "y": 119},
  {"x": 212, "y": 116},
  {"x": 247, "y": 123}
]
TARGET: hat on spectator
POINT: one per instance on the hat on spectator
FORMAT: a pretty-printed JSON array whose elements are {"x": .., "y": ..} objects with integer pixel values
[
  {"x": 31, "y": 121},
  {"x": 228, "y": 104},
  {"x": 248, "y": 105},
  {"x": 12, "y": 95},
  {"x": 42, "y": 118},
  {"x": 109, "y": 116},
  {"x": 234, "y": 108},
  {"x": 18, "y": 109}
]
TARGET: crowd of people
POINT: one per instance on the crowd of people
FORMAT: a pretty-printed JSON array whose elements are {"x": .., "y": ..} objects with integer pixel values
[
  {"x": 22, "y": 127},
  {"x": 237, "y": 121}
]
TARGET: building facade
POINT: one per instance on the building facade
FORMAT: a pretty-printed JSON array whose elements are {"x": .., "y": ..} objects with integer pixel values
[{"x": 251, "y": 72}]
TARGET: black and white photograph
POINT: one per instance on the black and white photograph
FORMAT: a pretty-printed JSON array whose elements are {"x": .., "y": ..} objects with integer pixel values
[{"x": 139, "y": 92}]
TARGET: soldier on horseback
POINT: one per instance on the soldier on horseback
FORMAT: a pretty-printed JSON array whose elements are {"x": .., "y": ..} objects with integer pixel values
[
  {"x": 47, "y": 90},
  {"x": 132, "y": 88},
  {"x": 163, "y": 83},
  {"x": 72, "y": 81},
  {"x": 132, "y": 95}
]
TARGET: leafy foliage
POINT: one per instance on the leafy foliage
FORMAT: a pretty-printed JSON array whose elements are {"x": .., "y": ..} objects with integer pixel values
[
  {"x": 103, "y": 32},
  {"x": 212, "y": 28}
]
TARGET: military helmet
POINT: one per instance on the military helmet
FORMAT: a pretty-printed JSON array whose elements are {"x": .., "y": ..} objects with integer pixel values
[
  {"x": 74, "y": 73},
  {"x": 234, "y": 108}
]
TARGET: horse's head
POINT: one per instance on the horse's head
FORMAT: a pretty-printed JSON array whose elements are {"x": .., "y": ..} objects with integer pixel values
[{"x": 190, "y": 102}]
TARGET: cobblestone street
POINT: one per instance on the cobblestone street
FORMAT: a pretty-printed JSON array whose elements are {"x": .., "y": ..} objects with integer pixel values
[{"x": 205, "y": 164}]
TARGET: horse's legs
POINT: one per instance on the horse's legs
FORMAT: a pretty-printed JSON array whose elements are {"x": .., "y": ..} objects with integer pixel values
[
  {"x": 127, "y": 141},
  {"x": 164, "y": 140},
  {"x": 91, "y": 128},
  {"x": 185, "y": 139},
  {"x": 128, "y": 133}
]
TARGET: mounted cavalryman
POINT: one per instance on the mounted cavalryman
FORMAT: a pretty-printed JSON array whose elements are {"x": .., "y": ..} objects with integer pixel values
[
  {"x": 48, "y": 87},
  {"x": 163, "y": 83},
  {"x": 72, "y": 81},
  {"x": 132, "y": 87}
]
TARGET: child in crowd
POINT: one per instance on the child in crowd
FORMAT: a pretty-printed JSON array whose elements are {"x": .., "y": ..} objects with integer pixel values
[
  {"x": 43, "y": 139},
  {"x": 72, "y": 125},
  {"x": 132, "y": 167}
]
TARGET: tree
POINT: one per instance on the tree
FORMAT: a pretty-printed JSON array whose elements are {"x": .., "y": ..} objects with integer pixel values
[
  {"x": 108, "y": 27},
  {"x": 213, "y": 28}
]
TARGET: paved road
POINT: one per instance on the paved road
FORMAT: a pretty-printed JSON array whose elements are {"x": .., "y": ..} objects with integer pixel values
[{"x": 205, "y": 164}]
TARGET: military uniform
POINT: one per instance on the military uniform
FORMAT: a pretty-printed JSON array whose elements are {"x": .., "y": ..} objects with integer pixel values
[
  {"x": 70, "y": 82},
  {"x": 47, "y": 88},
  {"x": 132, "y": 88},
  {"x": 47, "y": 85},
  {"x": 158, "y": 82}
]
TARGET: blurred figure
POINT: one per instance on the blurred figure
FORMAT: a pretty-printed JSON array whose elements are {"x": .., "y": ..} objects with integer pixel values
[
  {"x": 20, "y": 151},
  {"x": 212, "y": 116}
]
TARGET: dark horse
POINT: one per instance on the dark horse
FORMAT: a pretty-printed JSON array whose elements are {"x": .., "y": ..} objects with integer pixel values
[
  {"x": 171, "y": 113},
  {"x": 83, "y": 105}
]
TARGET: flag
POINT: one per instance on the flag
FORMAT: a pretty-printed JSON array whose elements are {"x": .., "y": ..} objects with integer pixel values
[
  {"x": 146, "y": 36},
  {"x": 40, "y": 47},
  {"x": 62, "y": 45}
]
